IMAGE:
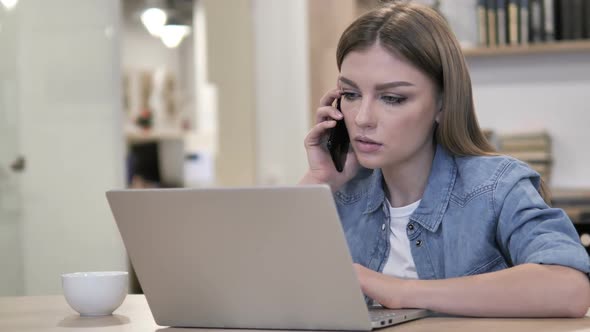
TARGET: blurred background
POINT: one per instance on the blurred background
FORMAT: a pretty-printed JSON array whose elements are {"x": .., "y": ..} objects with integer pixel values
[{"x": 105, "y": 94}]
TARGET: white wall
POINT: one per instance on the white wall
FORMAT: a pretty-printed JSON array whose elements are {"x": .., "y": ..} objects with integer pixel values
[
  {"x": 520, "y": 93},
  {"x": 10, "y": 201},
  {"x": 282, "y": 89},
  {"x": 70, "y": 132}
]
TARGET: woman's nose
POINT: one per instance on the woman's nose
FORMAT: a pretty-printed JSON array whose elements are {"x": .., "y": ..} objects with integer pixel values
[{"x": 364, "y": 116}]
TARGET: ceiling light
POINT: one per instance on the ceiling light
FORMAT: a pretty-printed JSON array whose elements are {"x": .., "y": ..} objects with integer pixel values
[
  {"x": 173, "y": 34},
  {"x": 9, "y": 4},
  {"x": 153, "y": 19}
]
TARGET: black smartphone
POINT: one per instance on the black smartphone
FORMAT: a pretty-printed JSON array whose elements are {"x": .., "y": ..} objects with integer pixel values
[{"x": 338, "y": 142}]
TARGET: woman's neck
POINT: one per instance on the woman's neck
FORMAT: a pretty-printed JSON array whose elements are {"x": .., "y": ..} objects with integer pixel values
[{"x": 405, "y": 183}]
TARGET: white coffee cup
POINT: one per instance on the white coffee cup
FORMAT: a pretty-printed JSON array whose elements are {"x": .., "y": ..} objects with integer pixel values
[{"x": 95, "y": 293}]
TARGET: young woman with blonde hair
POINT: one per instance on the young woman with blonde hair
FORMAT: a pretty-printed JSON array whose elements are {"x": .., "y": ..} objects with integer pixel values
[{"x": 434, "y": 218}]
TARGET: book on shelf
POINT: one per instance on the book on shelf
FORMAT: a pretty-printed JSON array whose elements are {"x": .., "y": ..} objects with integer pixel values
[
  {"x": 577, "y": 18},
  {"x": 512, "y": 22},
  {"x": 536, "y": 24},
  {"x": 482, "y": 19},
  {"x": 501, "y": 22},
  {"x": 549, "y": 20},
  {"x": 573, "y": 17},
  {"x": 492, "y": 26},
  {"x": 558, "y": 24},
  {"x": 524, "y": 21}
]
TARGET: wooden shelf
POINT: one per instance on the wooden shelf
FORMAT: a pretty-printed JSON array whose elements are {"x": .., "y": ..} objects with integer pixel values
[
  {"x": 575, "y": 202},
  {"x": 141, "y": 136},
  {"x": 542, "y": 48},
  {"x": 571, "y": 196}
]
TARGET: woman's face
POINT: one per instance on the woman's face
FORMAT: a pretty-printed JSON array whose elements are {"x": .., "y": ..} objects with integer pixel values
[{"x": 389, "y": 107}]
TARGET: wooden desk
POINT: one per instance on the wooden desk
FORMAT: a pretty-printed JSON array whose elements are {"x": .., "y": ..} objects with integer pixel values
[{"x": 51, "y": 313}]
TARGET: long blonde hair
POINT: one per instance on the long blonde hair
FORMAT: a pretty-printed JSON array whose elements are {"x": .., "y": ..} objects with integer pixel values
[{"x": 422, "y": 36}]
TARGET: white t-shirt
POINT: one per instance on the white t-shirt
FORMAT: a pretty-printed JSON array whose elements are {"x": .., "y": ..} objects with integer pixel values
[{"x": 400, "y": 262}]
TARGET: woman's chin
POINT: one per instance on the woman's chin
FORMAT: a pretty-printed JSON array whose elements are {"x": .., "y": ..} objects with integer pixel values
[{"x": 370, "y": 164}]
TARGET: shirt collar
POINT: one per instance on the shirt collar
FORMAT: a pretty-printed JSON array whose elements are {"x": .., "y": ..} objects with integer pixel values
[{"x": 436, "y": 197}]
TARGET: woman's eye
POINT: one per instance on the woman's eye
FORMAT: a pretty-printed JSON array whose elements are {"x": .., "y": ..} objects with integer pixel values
[
  {"x": 393, "y": 100},
  {"x": 349, "y": 95}
]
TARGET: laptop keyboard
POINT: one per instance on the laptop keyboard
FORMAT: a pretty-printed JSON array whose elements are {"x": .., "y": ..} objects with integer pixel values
[{"x": 378, "y": 315}]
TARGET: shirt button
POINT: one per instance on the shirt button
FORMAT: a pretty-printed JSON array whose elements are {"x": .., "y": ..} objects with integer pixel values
[
  {"x": 418, "y": 243},
  {"x": 383, "y": 227},
  {"x": 411, "y": 227}
]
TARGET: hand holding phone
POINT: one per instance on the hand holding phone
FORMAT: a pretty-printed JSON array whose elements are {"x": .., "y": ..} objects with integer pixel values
[{"x": 338, "y": 142}]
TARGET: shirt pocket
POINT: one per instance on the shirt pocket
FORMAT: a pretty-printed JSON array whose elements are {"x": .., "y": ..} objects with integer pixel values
[{"x": 496, "y": 264}]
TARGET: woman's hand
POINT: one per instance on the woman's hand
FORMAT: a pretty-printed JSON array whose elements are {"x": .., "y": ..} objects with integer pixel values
[
  {"x": 512, "y": 292},
  {"x": 386, "y": 290},
  {"x": 321, "y": 166}
]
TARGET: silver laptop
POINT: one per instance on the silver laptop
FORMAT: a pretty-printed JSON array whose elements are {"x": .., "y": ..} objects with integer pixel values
[{"x": 259, "y": 258}]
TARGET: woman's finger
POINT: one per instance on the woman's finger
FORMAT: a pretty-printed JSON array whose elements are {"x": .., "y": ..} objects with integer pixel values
[
  {"x": 329, "y": 97},
  {"x": 314, "y": 137},
  {"x": 327, "y": 113}
]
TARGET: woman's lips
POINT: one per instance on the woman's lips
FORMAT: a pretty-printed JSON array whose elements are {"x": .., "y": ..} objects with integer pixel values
[{"x": 366, "y": 145}]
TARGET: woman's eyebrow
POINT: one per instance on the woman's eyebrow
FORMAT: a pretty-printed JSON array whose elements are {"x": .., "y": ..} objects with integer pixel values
[
  {"x": 378, "y": 87},
  {"x": 347, "y": 81},
  {"x": 395, "y": 84}
]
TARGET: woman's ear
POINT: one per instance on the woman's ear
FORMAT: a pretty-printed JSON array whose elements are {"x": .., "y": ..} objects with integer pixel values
[{"x": 439, "y": 107}]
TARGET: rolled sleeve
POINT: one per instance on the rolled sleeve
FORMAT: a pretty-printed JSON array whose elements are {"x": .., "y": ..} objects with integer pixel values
[{"x": 529, "y": 231}]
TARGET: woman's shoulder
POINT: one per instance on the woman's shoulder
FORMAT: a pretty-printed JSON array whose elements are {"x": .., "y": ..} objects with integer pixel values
[
  {"x": 475, "y": 172},
  {"x": 473, "y": 164}
]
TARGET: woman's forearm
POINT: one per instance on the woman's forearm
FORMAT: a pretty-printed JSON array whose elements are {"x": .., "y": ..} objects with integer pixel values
[{"x": 528, "y": 290}]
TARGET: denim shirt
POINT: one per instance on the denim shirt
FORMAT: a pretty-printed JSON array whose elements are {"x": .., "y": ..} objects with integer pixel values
[{"x": 478, "y": 214}]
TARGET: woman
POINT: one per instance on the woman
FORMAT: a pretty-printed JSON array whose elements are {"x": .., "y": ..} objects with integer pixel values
[{"x": 433, "y": 217}]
